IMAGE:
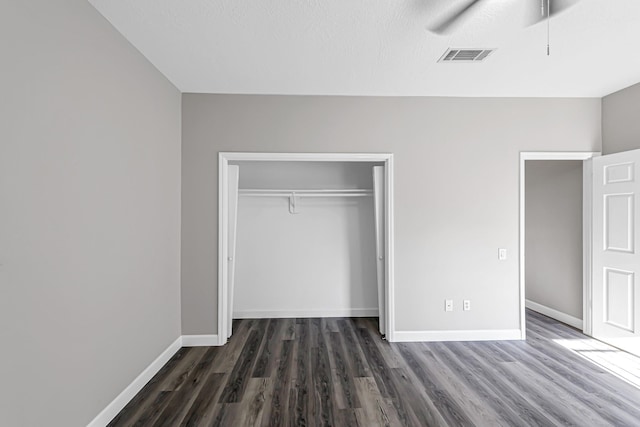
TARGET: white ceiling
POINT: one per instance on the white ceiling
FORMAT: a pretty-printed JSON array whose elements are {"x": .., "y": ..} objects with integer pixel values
[{"x": 381, "y": 47}]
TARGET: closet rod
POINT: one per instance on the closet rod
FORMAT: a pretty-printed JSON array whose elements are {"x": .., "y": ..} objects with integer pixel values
[{"x": 327, "y": 190}]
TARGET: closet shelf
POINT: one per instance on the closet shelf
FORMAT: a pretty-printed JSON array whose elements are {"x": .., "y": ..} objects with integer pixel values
[{"x": 305, "y": 193}]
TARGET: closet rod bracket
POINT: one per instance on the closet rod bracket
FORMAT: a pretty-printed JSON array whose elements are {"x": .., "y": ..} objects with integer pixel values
[{"x": 293, "y": 203}]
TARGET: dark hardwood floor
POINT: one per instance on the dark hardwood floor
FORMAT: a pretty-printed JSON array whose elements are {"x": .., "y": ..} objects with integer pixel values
[{"x": 321, "y": 372}]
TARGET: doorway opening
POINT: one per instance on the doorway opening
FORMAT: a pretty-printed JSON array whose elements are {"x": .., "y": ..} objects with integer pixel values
[
  {"x": 555, "y": 236},
  {"x": 292, "y": 196}
]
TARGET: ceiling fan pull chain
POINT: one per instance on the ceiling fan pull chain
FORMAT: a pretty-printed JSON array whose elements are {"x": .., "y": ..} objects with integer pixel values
[{"x": 548, "y": 26}]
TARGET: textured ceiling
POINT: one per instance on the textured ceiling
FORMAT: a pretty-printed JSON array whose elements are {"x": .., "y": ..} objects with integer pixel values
[{"x": 381, "y": 47}]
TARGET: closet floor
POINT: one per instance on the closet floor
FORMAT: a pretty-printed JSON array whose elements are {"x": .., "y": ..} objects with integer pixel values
[{"x": 312, "y": 372}]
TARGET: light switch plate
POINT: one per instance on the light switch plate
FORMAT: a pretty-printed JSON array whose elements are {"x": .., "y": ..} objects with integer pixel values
[{"x": 448, "y": 305}]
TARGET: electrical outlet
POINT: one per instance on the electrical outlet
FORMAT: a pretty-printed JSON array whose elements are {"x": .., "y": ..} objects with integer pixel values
[
  {"x": 448, "y": 305},
  {"x": 502, "y": 254},
  {"x": 466, "y": 305}
]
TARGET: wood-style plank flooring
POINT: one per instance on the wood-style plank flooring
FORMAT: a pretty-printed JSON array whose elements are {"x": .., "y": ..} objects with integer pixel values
[{"x": 339, "y": 372}]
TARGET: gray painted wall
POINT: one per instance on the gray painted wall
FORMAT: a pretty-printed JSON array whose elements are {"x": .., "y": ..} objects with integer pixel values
[
  {"x": 553, "y": 230},
  {"x": 89, "y": 213},
  {"x": 456, "y": 188},
  {"x": 620, "y": 124}
]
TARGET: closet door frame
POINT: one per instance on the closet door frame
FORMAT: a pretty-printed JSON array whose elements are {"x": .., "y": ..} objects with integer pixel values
[{"x": 223, "y": 223}]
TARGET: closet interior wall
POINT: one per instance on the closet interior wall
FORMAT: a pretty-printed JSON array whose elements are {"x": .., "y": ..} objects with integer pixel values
[{"x": 314, "y": 259}]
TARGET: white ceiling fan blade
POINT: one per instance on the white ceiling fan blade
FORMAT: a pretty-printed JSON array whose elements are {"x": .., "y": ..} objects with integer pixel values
[{"x": 456, "y": 18}]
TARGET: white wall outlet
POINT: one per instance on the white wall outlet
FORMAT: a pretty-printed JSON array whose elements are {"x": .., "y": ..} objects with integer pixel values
[
  {"x": 448, "y": 305},
  {"x": 466, "y": 305},
  {"x": 502, "y": 254}
]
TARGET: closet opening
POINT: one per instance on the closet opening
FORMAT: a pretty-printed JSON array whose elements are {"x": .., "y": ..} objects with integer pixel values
[{"x": 305, "y": 235}]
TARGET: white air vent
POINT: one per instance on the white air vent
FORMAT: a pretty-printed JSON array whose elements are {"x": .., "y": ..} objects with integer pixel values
[{"x": 465, "y": 55}]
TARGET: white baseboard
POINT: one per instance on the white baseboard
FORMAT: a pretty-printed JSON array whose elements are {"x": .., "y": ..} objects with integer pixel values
[
  {"x": 113, "y": 408},
  {"x": 287, "y": 314},
  {"x": 464, "y": 335},
  {"x": 200, "y": 341},
  {"x": 555, "y": 314}
]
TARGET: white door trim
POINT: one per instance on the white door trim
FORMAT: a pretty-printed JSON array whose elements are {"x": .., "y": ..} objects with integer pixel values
[
  {"x": 223, "y": 222},
  {"x": 586, "y": 228}
]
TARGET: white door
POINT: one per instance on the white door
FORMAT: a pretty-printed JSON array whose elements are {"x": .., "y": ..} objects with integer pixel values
[
  {"x": 378, "y": 203},
  {"x": 616, "y": 256},
  {"x": 234, "y": 176}
]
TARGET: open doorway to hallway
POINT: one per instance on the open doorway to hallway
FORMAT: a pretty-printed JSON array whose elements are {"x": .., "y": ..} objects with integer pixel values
[{"x": 554, "y": 239}]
